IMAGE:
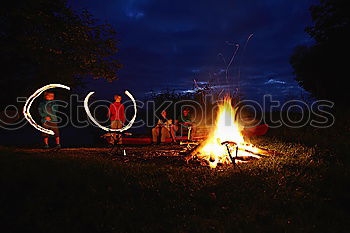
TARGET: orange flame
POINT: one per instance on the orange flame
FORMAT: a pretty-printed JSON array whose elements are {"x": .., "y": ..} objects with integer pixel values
[{"x": 226, "y": 129}]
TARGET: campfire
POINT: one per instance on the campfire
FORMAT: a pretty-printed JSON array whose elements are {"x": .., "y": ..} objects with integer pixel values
[{"x": 225, "y": 144}]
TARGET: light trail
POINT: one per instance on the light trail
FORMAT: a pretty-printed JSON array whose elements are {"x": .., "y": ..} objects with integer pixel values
[
  {"x": 28, "y": 104},
  {"x": 128, "y": 126}
]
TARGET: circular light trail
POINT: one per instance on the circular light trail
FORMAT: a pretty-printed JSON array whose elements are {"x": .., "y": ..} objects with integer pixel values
[
  {"x": 128, "y": 126},
  {"x": 28, "y": 104}
]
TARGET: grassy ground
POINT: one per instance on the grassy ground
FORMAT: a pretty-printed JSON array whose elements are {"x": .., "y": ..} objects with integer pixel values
[{"x": 85, "y": 191}]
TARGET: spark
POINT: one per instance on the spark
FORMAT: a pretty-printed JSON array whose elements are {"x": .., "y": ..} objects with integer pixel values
[
  {"x": 231, "y": 60},
  {"x": 240, "y": 62}
]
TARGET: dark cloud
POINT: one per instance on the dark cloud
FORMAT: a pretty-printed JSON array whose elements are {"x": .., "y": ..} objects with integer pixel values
[{"x": 167, "y": 44}]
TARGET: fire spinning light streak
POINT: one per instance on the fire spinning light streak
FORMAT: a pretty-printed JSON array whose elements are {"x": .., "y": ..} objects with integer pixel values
[
  {"x": 86, "y": 106},
  {"x": 28, "y": 104}
]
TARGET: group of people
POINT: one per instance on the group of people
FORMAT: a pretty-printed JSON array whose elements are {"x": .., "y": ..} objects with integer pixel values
[
  {"x": 167, "y": 128},
  {"x": 164, "y": 130}
]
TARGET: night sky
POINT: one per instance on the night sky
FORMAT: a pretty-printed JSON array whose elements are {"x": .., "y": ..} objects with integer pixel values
[{"x": 167, "y": 44}]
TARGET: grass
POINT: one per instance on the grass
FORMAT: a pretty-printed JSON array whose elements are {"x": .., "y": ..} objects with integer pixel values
[{"x": 303, "y": 191}]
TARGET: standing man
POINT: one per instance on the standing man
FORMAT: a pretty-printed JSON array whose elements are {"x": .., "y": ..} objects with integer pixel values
[
  {"x": 116, "y": 115},
  {"x": 47, "y": 110}
]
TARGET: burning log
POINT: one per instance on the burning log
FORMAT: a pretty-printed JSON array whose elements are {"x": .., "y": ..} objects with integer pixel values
[
  {"x": 226, "y": 139},
  {"x": 227, "y": 144}
]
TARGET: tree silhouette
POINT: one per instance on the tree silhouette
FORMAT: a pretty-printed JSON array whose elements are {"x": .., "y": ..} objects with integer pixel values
[
  {"x": 321, "y": 69},
  {"x": 43, "y": 41}
]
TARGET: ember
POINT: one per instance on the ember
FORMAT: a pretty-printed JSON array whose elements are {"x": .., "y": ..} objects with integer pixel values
[{"x": 225, "y": 143}]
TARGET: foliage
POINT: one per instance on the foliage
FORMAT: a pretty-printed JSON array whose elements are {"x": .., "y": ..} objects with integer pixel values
[
  {"x": 322, "y": 68},
  {"x": 43, "y": 41},
  {"x": 201, "y": 99}
]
